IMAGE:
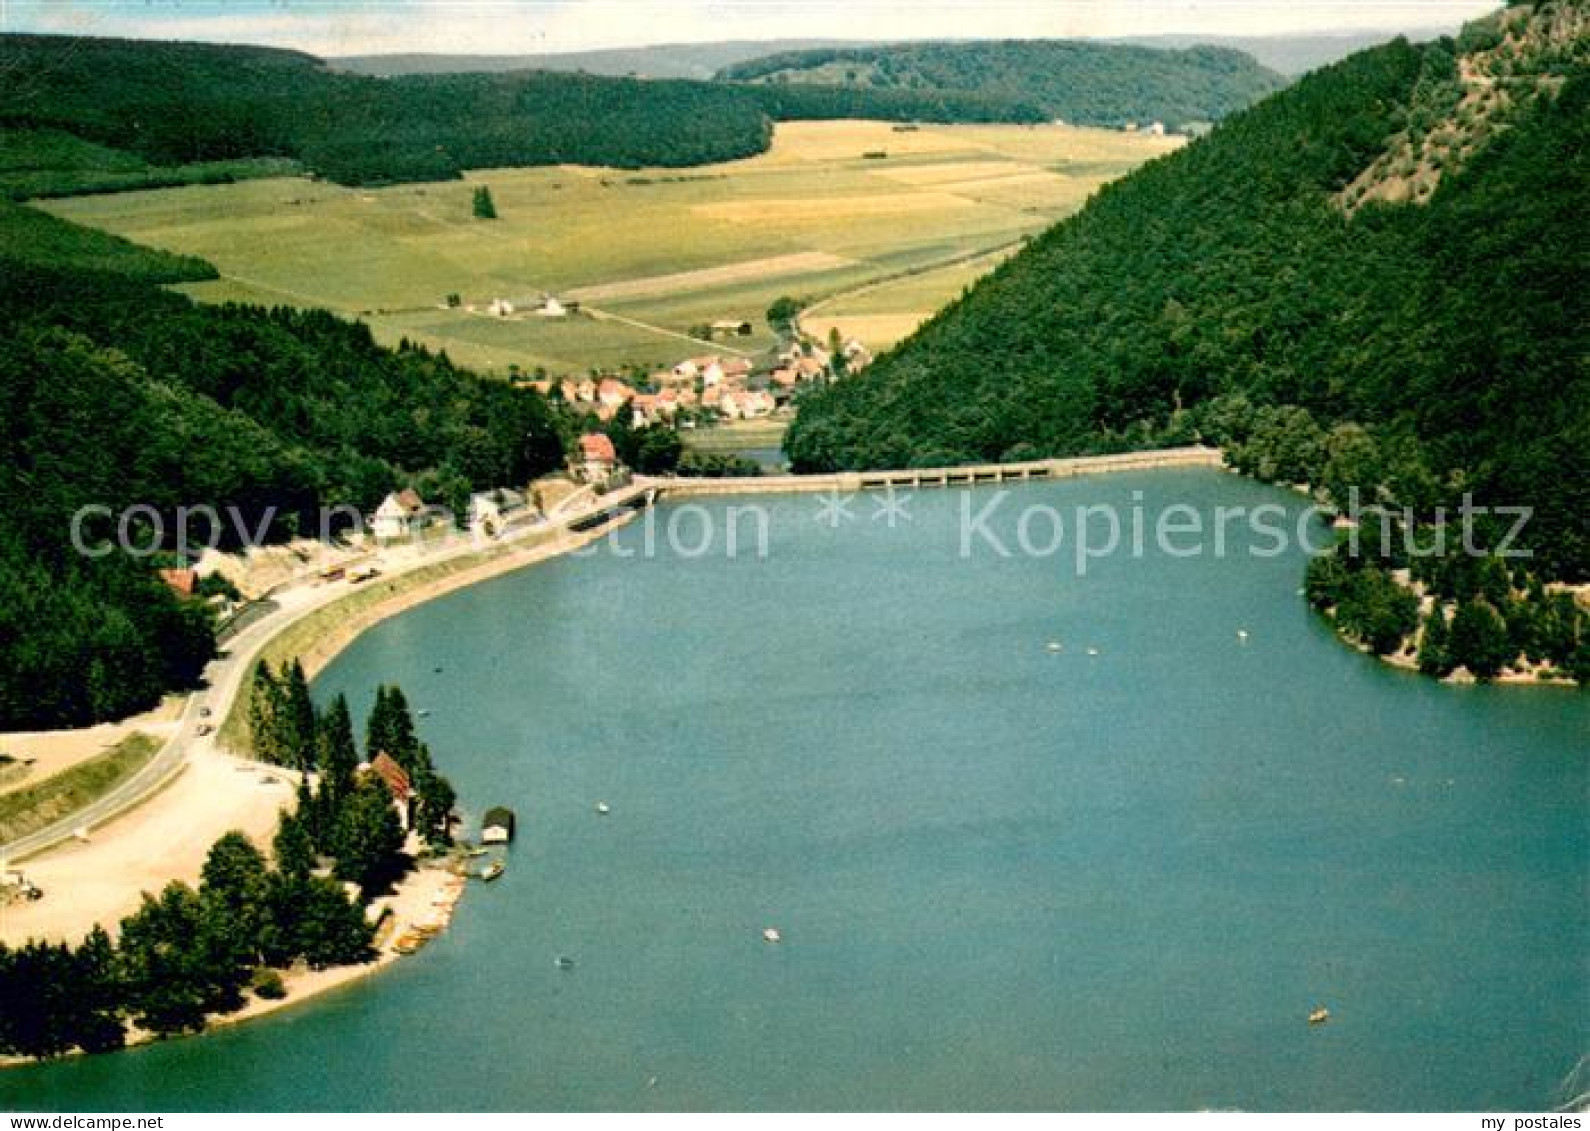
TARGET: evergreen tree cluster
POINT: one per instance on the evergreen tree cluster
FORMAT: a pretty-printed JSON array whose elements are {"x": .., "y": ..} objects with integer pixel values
[
  {"x": 182, "y": 956},
  {"x": 342, "y": 813},
  {"x": 167, "y": 107},
  {"x": 1482, "y": 614},
  {"x": 187, "y": 954}
]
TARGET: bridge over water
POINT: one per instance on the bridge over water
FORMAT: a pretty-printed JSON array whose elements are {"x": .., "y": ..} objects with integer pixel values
[{"x": 969, "y": 475}]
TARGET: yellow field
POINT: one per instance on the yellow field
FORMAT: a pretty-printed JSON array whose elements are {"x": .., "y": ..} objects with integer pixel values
[{"x": 648, "y": 253}]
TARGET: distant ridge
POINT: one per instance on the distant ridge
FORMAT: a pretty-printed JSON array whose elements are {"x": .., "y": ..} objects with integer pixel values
[
  {"x": 659, "y": 61},
  {"x": 1087, "y": 82},
  {"x": 1293, "y": 54}
]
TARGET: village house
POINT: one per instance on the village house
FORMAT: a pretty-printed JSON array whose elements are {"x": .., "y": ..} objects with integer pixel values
[
  {"x": 708, "y": 370},
  {"x": 613, "y": 394},
  {"x": 182, "y": 582},
  {"x": 597, "y": 458},
  {"x": 500, "y": 307},
  {"x": 857, "y": 356},
  {"x": 399, "y": 515},
  {"x": 551, "y": 308}
]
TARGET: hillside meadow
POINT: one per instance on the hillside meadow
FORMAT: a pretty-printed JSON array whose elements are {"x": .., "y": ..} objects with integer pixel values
[{"x": 832, "y": 207}]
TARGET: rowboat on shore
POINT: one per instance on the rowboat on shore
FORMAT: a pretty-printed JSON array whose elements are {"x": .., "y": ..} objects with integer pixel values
[{"x": 493, "y": 870}]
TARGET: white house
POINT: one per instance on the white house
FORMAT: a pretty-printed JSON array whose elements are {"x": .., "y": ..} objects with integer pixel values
[
  {"x": 500, "y": 307},
  {"x": 399, "y": 515},
  {"x": 598, "y": 457},
  {"x": 490, "y": 511},
  {"x": 551, "y": 308}
]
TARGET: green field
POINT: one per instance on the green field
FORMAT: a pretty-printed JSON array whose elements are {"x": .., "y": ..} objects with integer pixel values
[{"x": 648, "y": 253}]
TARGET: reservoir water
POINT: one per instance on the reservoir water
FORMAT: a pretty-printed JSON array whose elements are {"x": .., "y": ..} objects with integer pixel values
[{"x": 1005, "y": 876}]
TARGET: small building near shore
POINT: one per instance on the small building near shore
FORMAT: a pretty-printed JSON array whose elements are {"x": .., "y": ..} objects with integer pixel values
[
  {"x": 490, "y": 511},
  {"x": 385, "y": 769},
  {"x": 497, "y": 827}
]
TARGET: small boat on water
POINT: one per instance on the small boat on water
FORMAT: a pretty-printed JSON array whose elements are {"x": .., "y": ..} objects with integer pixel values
[
  {"x": 1319, "y": 1016},
  {"x": 601, "y": 809},
  {"x": 493, "y": 870},
  {"x": 1093, "y": 651},
  {"x": 772, "y": 935},
  {"x": 564, "y": 962},
  {"x": 1055, "y": 646}
]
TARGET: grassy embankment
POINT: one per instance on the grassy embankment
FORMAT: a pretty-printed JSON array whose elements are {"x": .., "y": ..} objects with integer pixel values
[
  {"x": 26, "y": 810},
  {"x": 318, "y": 636}
]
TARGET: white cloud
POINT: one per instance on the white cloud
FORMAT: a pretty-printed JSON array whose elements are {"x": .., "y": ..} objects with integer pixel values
[{"x": 340, "y": 27}]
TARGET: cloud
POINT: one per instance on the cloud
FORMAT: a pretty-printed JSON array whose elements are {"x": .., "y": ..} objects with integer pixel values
[{"x": 347, "y": 27}]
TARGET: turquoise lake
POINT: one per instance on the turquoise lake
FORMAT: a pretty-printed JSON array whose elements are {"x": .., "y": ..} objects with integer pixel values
[{"x": 1005, "y": 877}]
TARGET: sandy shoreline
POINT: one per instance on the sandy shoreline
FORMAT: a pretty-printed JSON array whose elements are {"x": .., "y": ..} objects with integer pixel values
[{"x": 427, "y": 896}]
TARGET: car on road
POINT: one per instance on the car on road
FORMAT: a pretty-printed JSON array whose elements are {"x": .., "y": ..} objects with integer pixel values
[{"x": 204, "y": 730}]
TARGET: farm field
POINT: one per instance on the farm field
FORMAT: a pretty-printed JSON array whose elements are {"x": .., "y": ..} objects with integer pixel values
[{"x": 829, "y": 209}]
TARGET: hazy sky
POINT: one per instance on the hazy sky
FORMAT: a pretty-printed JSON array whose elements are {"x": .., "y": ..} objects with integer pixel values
[{"x": 347, "y": 27}]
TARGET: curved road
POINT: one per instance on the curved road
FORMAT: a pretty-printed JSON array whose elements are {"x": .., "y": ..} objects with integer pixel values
[{"x": 224, "y": 678}]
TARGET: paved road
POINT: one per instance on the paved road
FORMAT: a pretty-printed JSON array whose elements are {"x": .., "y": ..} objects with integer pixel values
[{"x": 224, "y": 677}]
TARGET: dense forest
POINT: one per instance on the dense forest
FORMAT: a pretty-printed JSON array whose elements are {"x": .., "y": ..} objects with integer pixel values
[
  {"x": 188, "y": 953},
  {"x": 118, "y": 393},
  {"x": 1087, "y": 83},
  {"x": 1208, "y": 289},
  {"x": 100, "y": 114},
  {"x": 1228, "y": 293}
]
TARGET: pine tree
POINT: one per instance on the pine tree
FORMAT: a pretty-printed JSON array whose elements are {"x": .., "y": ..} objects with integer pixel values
[
  {"x": 293, "y": 846},
  {"x": 368, "y": 839},
  {"x": 264, "y": 709},
  {"x": 297, "y": 724},
  {"x": 1479, "y": 639},
  {"x": 390, "y": 729},
  {"x": 485, "y": 207},
  {"x": 1434, "y": 653},
  {"x": 98, "y": 991}
]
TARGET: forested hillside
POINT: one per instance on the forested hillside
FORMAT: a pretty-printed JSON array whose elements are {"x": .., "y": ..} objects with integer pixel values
[
  {"x": 1234, "y": 292},
  {"x": 1086, "y": 83},
  {"x": 115, "y": 393},
  {"x": 94, "y": 114}
]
